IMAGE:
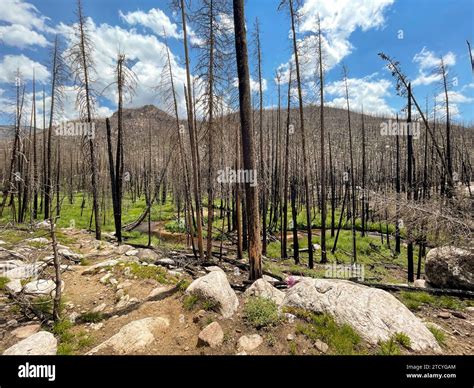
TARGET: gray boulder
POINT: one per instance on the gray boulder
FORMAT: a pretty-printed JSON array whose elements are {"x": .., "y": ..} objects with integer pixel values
[
  {"x": 135, "y": 336},
  {"x": 450, "y": 267},
  {"x": 42, "y": 343},
  {"x": 375, "y": 314},
  {"x": 264, "y": 289},
  {"x": 216, "y": 287},
  {"x": 212, "y": 335}
]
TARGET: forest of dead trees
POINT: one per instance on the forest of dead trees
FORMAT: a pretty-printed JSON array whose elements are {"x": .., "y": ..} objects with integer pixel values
[{"x": 318, "y": 169}]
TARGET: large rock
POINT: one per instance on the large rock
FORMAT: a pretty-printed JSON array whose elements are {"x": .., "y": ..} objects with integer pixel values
[
  {"x": 264, "y": 289},
  {"x": 26, "y": 331},
  {"x": 450, "y": 267},
  {"x": 6, "y": 254},
  {"x": 216, "y": 287},
  {"x": 69, "y": 255},
  {"x": 24, "y": 272},
  {"x": 212, "y": 335},
  {"x": 96, "y": 267},
  {"x": 134, "y": 337},
  {"x": 147, "y": 254},
  {"x": 375, "y": 314},
  {"x": 42, "y": 343},
  {"x": 10, "y": 264},
  {"x": 14, "y": 286},
  {"x": 41, "y": 287},
  {"x": 247, "y": 343}
]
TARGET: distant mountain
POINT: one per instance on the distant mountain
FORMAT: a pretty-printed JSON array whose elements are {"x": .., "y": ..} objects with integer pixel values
[{"x": 7, "y": 131}]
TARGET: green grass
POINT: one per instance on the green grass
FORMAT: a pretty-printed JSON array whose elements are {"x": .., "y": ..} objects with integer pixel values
[
  {"x": 69, "y": 342},
  {"x": 261, "y": 312},
  {"x": 341, "y": 339},
  {"x": 190, "y": 302},
  {"x": 415, "y": 299},
  {"x": 389, "y": 348},
  {"x": 92, "y": 317},
  {"x": 403, "y": 340},
  {"x": 175, "y": 226},
  {"x": 3, "y": 282},
  {"x": 370, "y": 252},
  {"x": 292, "y": 348},
  {"x": 182, "y": 285},
  {"x": 195, "y": 302},
  {"x": 439, "y": 335}
]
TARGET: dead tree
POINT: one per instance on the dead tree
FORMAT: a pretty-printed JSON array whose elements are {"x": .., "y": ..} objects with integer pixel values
[
  {"x": 192, "y": 133},
  {"x": 82, "y": 65},
  {"x": 248, "y": 144},
  {"x": 290, "y": 5},
  {"x": 352, "y": 179}
]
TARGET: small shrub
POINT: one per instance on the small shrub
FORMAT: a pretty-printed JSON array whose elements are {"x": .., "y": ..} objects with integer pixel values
[
  {"x": 438, "y": 334},
  {"x": 85, "y": 262},
  {"x": 209, "y": 304},
  {"x": 293, "y": 349},
  {"x": 182, "y": 285},
  {"x": 3, "y": 282},
  {"x": 271, "y": 340},
  {"x": 190, "y": 302},
  {"x": 403, "y": 340},
  {"x": 389, "y": 347},
  {"x": 193, "y": 302},
  {"x": 65, "y": 349},
  {"x": 261, "y": 312},
  {"x": 83, "y": 340},
  {"x": 61, "y": 329},
  {"x": 92, "y": 317}
]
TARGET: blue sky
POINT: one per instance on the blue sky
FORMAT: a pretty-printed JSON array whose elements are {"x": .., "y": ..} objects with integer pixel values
[{"x": 354, "y": 32}]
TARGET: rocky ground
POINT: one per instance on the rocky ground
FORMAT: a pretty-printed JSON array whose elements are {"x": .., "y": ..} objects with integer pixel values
[{"x": 128, "y": 300}]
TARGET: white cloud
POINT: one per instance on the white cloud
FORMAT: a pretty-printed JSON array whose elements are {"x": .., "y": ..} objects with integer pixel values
[
  {"x": 147, "y": 56},
  {"x": 339, "y": 19},
  {"x": 155, "y": 19},
  {"x": 23, "y": 21},
  {"x": 19, "y": 36},
  {"x": 254, "y": 84},
  {"x": 455, "y": 98},
  {"x": 367, "y": 93},
  {"x": 25, "y": 14},
  {"x": 427, "y": 63},
  {"x": 11, "y": 63},
  {"x": 158, "y": 22}
]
